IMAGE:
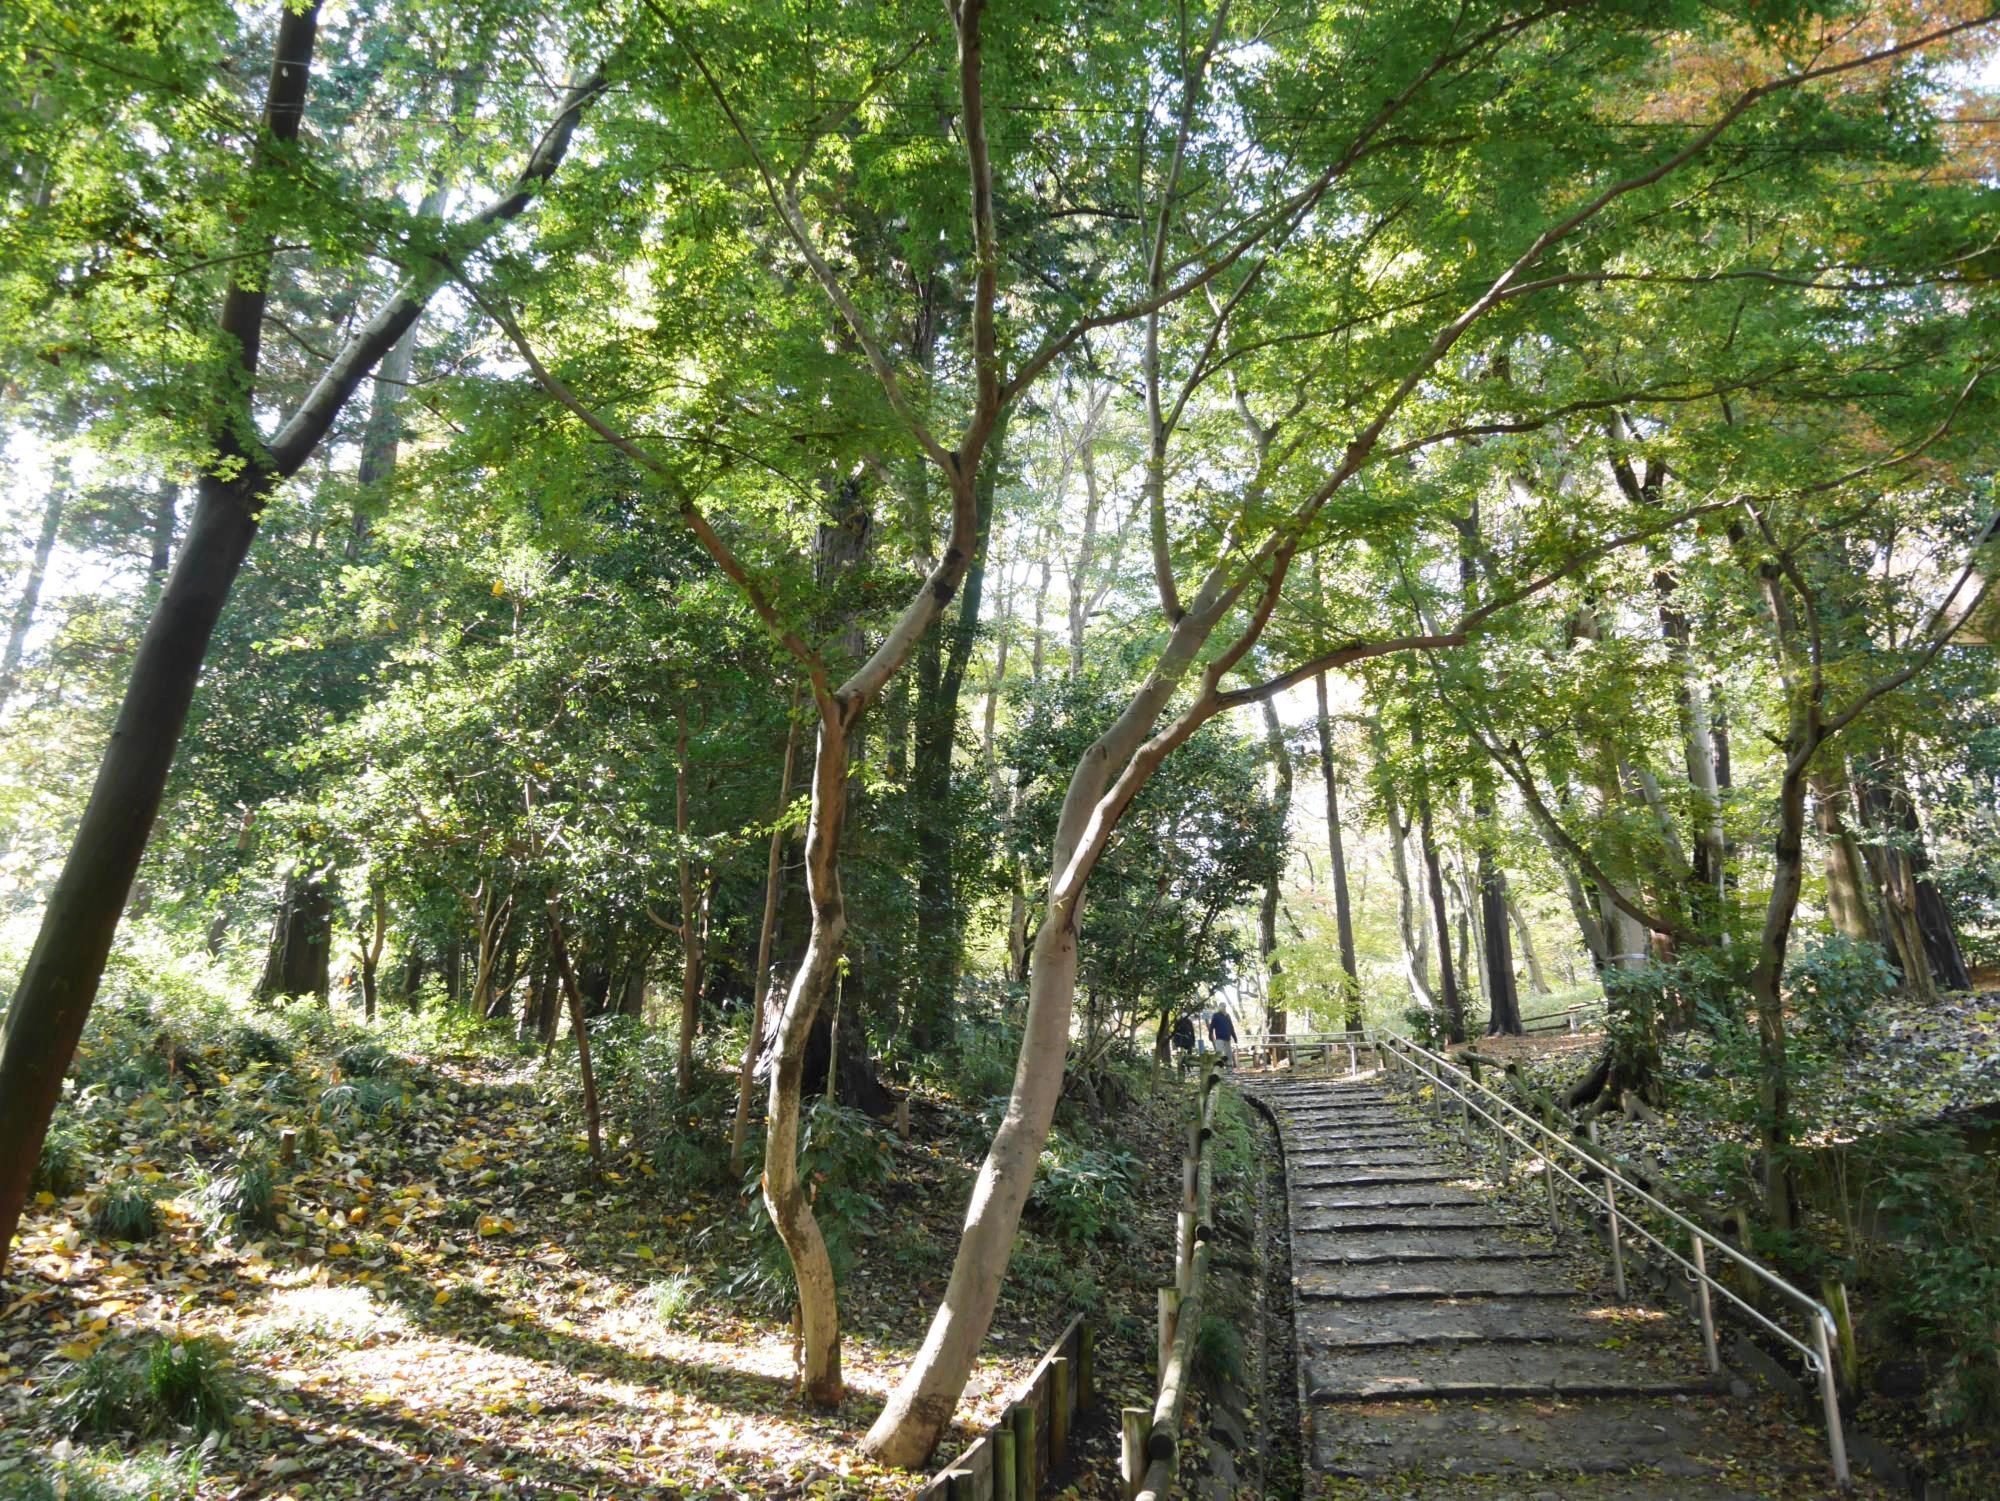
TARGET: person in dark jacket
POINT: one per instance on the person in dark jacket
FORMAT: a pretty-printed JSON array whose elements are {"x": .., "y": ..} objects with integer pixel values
[
  {"x": 1222, "y": 1032},
  {"x": 1183, "y": 1041}
]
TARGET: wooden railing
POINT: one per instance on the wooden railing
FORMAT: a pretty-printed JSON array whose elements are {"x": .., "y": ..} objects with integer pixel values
[
  {"x": 1149, "y": 1437},
  {"x": 1300, "y": 1048},
  {"x": 1012, "y": 1459}
]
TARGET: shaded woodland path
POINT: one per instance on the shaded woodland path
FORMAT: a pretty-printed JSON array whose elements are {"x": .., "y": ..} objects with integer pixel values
[{"x": 1450, "y": 1346}]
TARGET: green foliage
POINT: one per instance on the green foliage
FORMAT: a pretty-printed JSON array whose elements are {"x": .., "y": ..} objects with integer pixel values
[
  {"x": 1085, "y": 1193},
  {"x": 69, "y": 1473},
  {"x": 1834, "y": 980},
  {"x": 1218, "y": 1351},
  {"x": 188, "y": 1384},
  {"x": 159, "y": 1385},
  {"x": 254, "y": 1044},
  {"x": 364, "y": 1060},
  {"x": 241, "y": 1198},
  {"x": 127, "y": 1212},
  {"x": 674, "y": 1299},
  {"x": 61, "y": 1168}
]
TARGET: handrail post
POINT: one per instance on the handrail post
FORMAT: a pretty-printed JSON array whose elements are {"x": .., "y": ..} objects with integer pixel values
[
  {"x": 1617, "y": 1241},
  {"x": 1549, "y": 1179},
  {"x": 1836, "y": 1438},
  {"x": 1706, "y": 1307}
]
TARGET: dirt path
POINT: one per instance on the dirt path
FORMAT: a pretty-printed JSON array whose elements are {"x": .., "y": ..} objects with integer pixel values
[{"x": 1450, "y": 1346}]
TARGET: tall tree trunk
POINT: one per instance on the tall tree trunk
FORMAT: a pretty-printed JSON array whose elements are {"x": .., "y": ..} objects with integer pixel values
[
  {"x": 1280, "y": 757},
  {"x": 1343, "y": 912},
  {"x": 690, "y": 932},
  {"x": 381, "y": 438},
  {"x": 579, "y": 1026},
  {"x": 53, "y": 999},
  {"x": 1923, "y": 939},
  {"x": 1846, "y": 896},
  {"x": 371, "y": 948},
  {"x": 1537, "y": 981},
  {"x": 1412, "y": 927},
  {"x": 1453, "y": 1003},
  {"x": 31, "y": 588},
  {"x": 1503, "y": 1001},
  {"x": 296, "y": 962},
  {"x": 940, "y": 918},
  {"x": 760, "y": 982},
  {"x": 160, "y": 546}
]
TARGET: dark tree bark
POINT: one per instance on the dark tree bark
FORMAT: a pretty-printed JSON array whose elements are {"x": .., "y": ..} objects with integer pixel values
[
  {"x": 1448, "y": 993},
  {"x": 1267, "y": 915},
  {"x": 559, "y": 951},
  {"x": 301, "y": 942},
  {"x": 166, "y": 507},
  {"x": 942, "y": 661},
  {"x": 53, "y": 999}
]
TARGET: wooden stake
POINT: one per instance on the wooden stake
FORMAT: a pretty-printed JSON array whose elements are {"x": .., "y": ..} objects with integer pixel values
[
  {"x": 1024, "y": 1451},
  {"x": 1058, "y": 1409},
  {"x": 1135, "y": 1426},
  {"x": 1086, "y": 1365},
  {"x": 1003, "y": 1463}
]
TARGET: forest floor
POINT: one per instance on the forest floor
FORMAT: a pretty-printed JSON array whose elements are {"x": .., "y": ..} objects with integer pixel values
[{"x": 446, "y": 1304}]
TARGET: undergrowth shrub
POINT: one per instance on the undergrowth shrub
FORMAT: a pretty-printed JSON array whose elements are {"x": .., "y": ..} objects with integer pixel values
[
  {"x": 1085, "y": 1193},
  {"x": 60, "y": 1169},
  {"x": 242, "y": 1197},
  {"x": 69, "y": 1473},
  {"x": 156, "y": 1386},
  {"x": 126, "y": 1212},
  {"x": 1218, "y": 1352},
  {"x": 1834, "y": 981}
]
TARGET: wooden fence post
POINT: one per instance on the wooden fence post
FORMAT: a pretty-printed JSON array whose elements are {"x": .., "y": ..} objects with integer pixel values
[
  {"x": 1058, "y": 1409},
  {"x": 1024, "y": 1451},
  {"x": 1086, "y": 1365},
  {"x": 1135, "y": 1427},
  {"x": 1003, "y": 1463}
]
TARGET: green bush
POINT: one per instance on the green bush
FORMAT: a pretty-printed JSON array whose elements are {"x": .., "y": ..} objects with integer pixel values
[
  {"x": 102, "y": 1393},
  {"x": 1218, "y": 1351},
  {"x": 159, "y": 1385},
  {"x": 244, "y": 1197},
  {"x": 188, "y": 1384},
  {"x": 1834, "y": 980},
  {"x": 60, "y": 1169},
  {"x": 1086, "y": 1193},
  {"x": 672, "y": 1300},
  {"x": 253, "y": 1044},
  {"x": 127, "y": 1212},
  {"x": 364, "y": 1060}
]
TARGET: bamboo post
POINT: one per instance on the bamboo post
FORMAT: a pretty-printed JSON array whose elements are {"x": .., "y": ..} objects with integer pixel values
[
  {"x": 1003, "y": 1463},
  {"x": 1135, "y": 1427},
  {"x": 1024, "y": 1451}
]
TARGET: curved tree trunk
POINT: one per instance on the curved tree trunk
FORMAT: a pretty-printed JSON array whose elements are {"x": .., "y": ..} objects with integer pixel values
[{"x": 760, "y": 984}]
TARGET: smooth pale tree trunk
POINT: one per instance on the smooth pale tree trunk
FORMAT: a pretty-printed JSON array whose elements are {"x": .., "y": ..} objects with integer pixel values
[
  {"x": 1267, "y": 913},
  {"x": 52, "y": 1001},
  {"x": 31, "y": 587},
  {"x": 1412, "y": 929},
  {"x": 1343, "y": 912},
  {"x": 767, "y": 927},
  {"x": 1537, "y": 980},
  {"x": 784, "y": 1195}
]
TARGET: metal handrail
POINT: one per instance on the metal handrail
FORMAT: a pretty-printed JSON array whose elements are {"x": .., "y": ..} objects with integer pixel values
[{"x": 1817, "y": 1355}]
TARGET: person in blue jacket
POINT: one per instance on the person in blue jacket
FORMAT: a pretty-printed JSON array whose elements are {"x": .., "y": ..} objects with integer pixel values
[{"x": 1222, "y": 1032}]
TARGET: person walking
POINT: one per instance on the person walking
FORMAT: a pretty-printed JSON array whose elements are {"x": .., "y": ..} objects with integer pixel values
[
  {"x": 1183, "y": 1039},
  {"x": 1222, "y": 1032}
]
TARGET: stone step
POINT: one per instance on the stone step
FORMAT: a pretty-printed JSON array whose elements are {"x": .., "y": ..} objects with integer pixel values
[
  {"x": 1486, "y": 1371},
  {"x": 1376, "y": 1177},
  {"x": 1577, "y": 1320},
  {"x": 1474, "y": 1216},
  {"x": 1362, "y": 1282},
  {"x": 1321, "y": 1247},
  {"x": 1679, "y": 1444},
  {"x": 1310, "y": 1136},
  {"x": 1361, "y": 1157},
  {"x": 1380, "y": 1119},
  {"x": 1380, "y": 1196}
]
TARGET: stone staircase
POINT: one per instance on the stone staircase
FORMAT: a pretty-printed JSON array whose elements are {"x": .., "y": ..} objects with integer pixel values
[{"x": 1450, "y": 1347}]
